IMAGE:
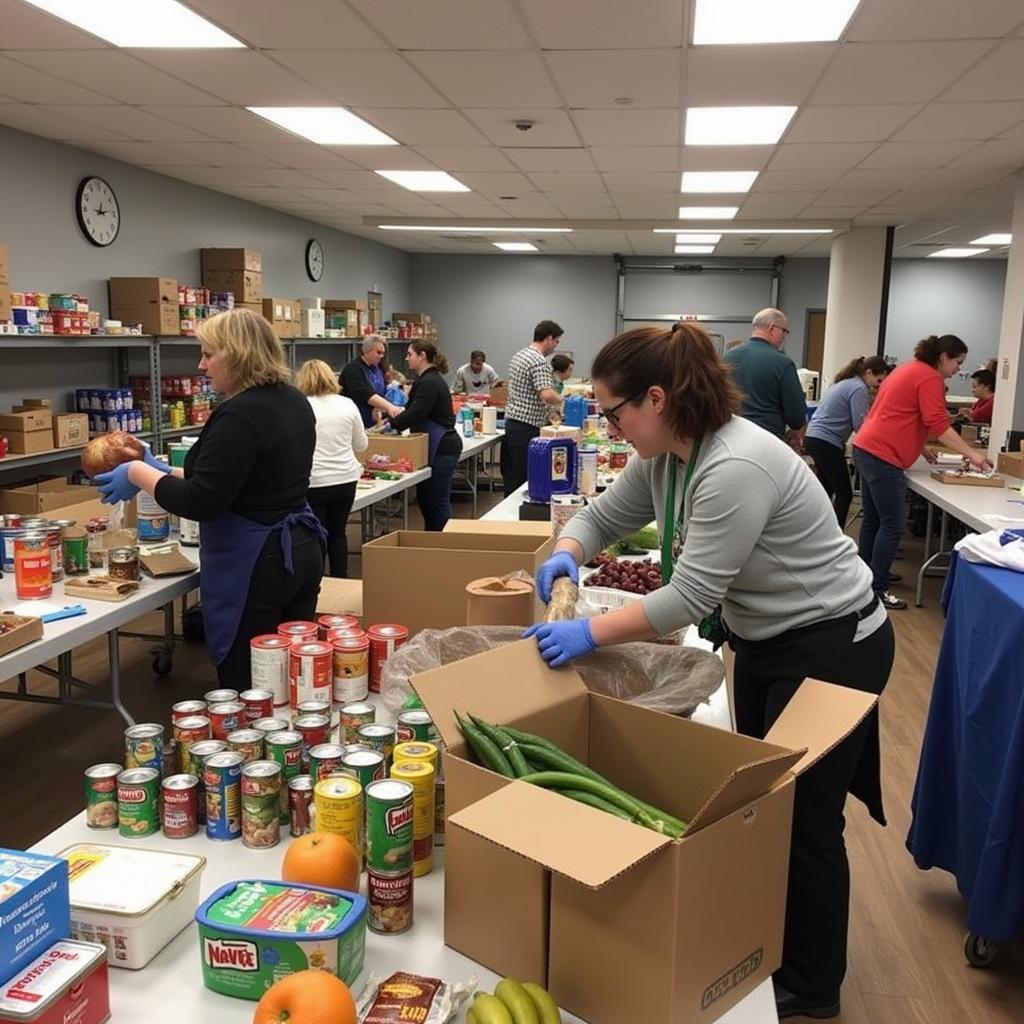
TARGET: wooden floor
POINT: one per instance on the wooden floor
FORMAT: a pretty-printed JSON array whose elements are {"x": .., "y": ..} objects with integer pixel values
[{"x": 907, "y": 926}]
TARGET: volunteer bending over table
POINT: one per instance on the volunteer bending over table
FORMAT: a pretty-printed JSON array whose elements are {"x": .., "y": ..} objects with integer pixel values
[
  {"x": 245, "y": 482},
  {"x": 752, "y": 551}
]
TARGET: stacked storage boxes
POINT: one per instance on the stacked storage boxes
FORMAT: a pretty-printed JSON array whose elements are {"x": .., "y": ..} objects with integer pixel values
[
  {"x": 151, "y": 301},
  {"x": 235, "y": 270}
]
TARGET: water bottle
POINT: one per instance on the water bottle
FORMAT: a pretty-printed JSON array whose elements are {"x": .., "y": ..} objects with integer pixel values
[{"x": 467, "y": 422}]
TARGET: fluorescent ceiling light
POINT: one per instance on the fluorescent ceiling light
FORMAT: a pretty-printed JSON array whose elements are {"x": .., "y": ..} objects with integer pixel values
[
  {"x": 707, "y": 212},
  {"x": 717, "y": 181},
  {"x": 425, "y": 181},
  {"x": 154, "y": 23},
  {"x": 700, "y": 238},
  {"x": 721, "y": 22},
  {"x": 472, "y": 230},
  {"x": 694, "y": 250},
  {"x": 755, "y": 231},
  {"x": 515, "y": 246},
  {"x": 329, "y": 126},
  {"x": 993, "y": 240},
  {"x": 953, "y": 253},
  {"x": 736, "y": 126}
]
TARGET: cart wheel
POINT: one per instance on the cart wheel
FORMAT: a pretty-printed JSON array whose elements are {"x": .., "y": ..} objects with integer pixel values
[
  {"x": 978, "y": 950},
  {"x": 163, "y": 663}
]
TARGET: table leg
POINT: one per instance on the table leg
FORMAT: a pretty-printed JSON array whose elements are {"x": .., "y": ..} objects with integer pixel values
[
  {"x": 114, "y": 658},
  {"x": 929, "y": 526},
  {"x": 928, "y": 565},
  {"x": 474, "y": 479},
  {"x": 405, "y": 509}
]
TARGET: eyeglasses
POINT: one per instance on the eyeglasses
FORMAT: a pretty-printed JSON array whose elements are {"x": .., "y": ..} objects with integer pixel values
[
  {"x": 612, "y": 414},
  {"x": 779, "y": 327}
]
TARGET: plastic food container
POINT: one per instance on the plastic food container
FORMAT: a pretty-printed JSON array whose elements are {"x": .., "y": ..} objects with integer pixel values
[
  {"x": 253, "y": 933},
  {"x": 68, "y": 983},
  {"x": 132, "y": 901}
]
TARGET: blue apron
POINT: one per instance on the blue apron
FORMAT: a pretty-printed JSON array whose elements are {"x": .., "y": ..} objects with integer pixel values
[
  {"x": 434, "y": 432},
  {"x": 229, "y": 547}
]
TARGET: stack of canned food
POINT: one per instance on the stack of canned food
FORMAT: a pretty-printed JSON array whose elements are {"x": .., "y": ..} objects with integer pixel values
[
  {"x": 39, "y": 551},
  {"x": 109, "y": 409},
  {"x": 196, "y": 303}
]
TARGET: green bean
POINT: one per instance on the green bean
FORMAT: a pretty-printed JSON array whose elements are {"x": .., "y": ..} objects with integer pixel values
[
  {"x": 595, "y": 801},
  {"x": 505, "y": 744},
  {"x": 486, "y": 750}
]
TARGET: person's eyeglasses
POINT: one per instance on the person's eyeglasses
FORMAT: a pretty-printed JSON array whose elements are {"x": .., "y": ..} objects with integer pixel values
[
  {"x": 612, "y": 414},
  {"x": 779, "y": 327}
]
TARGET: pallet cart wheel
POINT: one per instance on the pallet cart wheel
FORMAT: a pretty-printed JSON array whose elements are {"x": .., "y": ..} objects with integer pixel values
[
  {"x": 163, "y": 663},
  {"x": 978, "y": 950}
]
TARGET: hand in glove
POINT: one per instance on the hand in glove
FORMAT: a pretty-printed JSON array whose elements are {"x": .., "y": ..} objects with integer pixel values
[
  {"x": 151, "y": 460},
  {"x": 115, "y": 485},
  {"x": 561, "y": 563},
  {"x": 561, "y": 642}
]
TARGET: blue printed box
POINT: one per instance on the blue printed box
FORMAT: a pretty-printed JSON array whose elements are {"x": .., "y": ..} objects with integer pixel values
[{"x": 35, "y": 911}]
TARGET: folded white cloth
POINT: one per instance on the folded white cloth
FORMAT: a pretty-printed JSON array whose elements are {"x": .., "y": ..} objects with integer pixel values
[{"x": 1004, "y": 548}]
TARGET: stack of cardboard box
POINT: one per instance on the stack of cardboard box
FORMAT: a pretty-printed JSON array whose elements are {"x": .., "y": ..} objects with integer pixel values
[
  {"x": 235, "y": 270},
  {"x": 5, "y": 284},
  {"x": 150, "y": 301},
  {"x": 29, "y": 427},
  {"x": 284, "y": 316},
  {"x": 414, "y": 325},
  {"x": 349, "y": 314}
]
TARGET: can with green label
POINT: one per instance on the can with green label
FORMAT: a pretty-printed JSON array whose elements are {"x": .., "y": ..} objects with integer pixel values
[
  {"x": 389, "y": 816},
  {"x": 138, "y": 802},
  {"x": 285, "y": 747}
]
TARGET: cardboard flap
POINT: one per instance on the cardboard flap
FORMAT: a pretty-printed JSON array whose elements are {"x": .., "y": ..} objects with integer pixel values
[
  {"x": 504, "y": 685},
  {"x": 818, "y": 717},
  {"x": 166, "y": 560},
  {"x": 579, "y": 842}
]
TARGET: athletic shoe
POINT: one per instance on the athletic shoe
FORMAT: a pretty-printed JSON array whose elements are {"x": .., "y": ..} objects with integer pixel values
[{"x": 891, "y": 601}]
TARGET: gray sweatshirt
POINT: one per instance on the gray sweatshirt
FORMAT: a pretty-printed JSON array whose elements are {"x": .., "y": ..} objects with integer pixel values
[{"x": 760, "y": 536}]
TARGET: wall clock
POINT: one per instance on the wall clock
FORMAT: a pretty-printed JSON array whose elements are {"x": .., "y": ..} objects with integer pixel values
[
  {"x": 99, "y": 216},
  {"x": 314, "y": 259}
]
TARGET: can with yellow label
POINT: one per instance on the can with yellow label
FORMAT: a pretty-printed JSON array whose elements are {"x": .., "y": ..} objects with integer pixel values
[{"x": 420, "y": 775}]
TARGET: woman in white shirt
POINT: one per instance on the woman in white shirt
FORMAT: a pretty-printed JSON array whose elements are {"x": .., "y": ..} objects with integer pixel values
[{"x": 339, "y": 435}]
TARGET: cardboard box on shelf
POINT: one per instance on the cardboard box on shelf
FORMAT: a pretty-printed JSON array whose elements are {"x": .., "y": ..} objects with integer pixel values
[
  {"x": 620, "y": 922},
  {"x": 25, "y": 420},
  {"x": 284, "y": 316},
  {"x": 70, "y": 429},
  {"x": 5, "y": 265},
  {"x": 337, "y": 305},
  {"x": 397, "y": 446},
  {"x": 36, "y": 403},
  {"x": 411, "y": 318},
  {"x": 311, "y": 323},
  {"x": 253, "y": 307},
  {"x": 31, "y": 443},
  {"x": 1011, "y": 463},
  {"x": 150, "y": 301},
  {"x": 231, "y": 259},
  {"x": 442, "y": 564},
  {"x": 162, "y": 319},
  {"x": 5, "y": 303},
  {"x": 247, "y": 285},
  {"x": 46, "y": 495}
]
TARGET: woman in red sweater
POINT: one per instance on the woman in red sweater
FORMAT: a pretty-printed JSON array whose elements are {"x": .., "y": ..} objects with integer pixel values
[{"x": 910, "y": 408}]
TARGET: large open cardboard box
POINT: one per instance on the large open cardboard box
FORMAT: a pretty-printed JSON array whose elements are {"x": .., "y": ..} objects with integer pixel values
[
  {"x": 414, "y": 447},
  {"x": 47, "y": 495},
  {"x": 419, "y": 579},
  {"x": 522, "y": 527},
  {"x": 621, "y": 923}
]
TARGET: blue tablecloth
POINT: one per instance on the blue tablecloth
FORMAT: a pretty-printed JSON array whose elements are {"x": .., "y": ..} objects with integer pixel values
[{"x": 968, "y": 801}]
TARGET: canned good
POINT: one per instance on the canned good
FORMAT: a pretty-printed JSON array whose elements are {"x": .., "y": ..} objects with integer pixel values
[
  {"x": 33, "y": 569},
  {"x": 220, "y": 696},
  {"x": 420, "y": 775},
  {"x": 194, "y": 764},
  {"x": 248, "y": 743},
  {"x": 152, "y": 522},
  {"x": 189, "y": 730},
  {"x": 261, "y": 803},
  {"x": 379, "y": 736},
  {"x": 365, "y": 766},
  {"x": 438, "y": 811},
  {"x": 144, "y": 746},
  {"x": 123, "y": 563},
  {"x": 310, "y": 671},
  {"x": 187, "y": 708},
  {"x": 10, "y": 520},
  {"x": 324, "y": 758},
  {"x": 300, "y": 799},
  {"x": 170, "y": 758},
  {"x": 180, "y": 813},
  {"x": 188, "y": 532},
  {"x": 314, "y": 729},
  {"x": 268, "y": 655},
  {"x": 350, "y": 668},
  {"x": 55, "y": 540},
  {"x": 338, "y": 806},
  {"x": 95, "y": 529},
  {"x": 389, "y": 825},
  {"x": 385, "y": 639},
  {"x": 414, "y": 750},
  {"x": 325, "y": 623},
  {"x": 138, "y": 801},
  {"x": 315, "y": 706},
  {"x": 338, "y": 632},
  {"x": 415, "y": 724},
  {"x": 76, "y": 551},
  {"x": 285, "y": 748},
  {"x": 389, "y": 901},
  {"x": 351, "y": 717},
  {"x": 563, "y": 508},
  {"x": 226, "y": 718},
  {"x": 269, "y": 725},
  {"x": 299, "y": 630},
  {"x": 222, "y": 778},
  {"x": 258, "y": 704},
  {"x": 101, "y": 795}
]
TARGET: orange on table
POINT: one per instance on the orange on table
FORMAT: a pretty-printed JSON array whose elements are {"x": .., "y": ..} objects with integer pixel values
[
  {"x": 323, "y": 859},
  {"x": 306, "y": 997}
]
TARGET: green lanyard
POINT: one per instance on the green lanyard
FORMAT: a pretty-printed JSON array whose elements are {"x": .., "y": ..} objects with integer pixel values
[{"x": 668, "y": 534}]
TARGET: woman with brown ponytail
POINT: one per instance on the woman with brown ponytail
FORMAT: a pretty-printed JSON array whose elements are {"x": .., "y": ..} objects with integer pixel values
[
  {"x": 751, "y": 548},
  {"x": 840, "y": 414}
]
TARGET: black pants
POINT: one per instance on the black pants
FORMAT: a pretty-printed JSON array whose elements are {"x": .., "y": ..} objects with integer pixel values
[
  {"x": 834, "y": 474},
  {"x": 332, "y": 506},
  {"x": 514, "y": 446},
  {"x": 275, "y": 596},
  {"x": 767, "y": 674},
  {"x": 434, "y": 495}
]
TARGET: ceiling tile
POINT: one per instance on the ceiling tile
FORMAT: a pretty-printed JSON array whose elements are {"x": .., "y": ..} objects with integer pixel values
[
  {"x": 303, "y": 156},
  {"x": 959, "y": 178},
  {"x": 553, "y": 181},
  {"x": 853, "y": 197},
  {"x": 655, "y": 127},
  {"x": 893, "y": 179},
  {"x": 724, "y": 75},
  {"x": 25, "y": 83},
  {"x": 495, "y": 183},
  {"x": 1008, "y": 153},
  {"x": 593, "y": 25},
  {"x": 941, "y": 121},
  {"x": 366, "y": 181},
  {"x": 469, "y": 158},
  {"x": 645, "y": 205},
  {"x": 818, "y": 212},
  {"x": 222, "y": 154},
  {"x": 424, "y": 127},
  {"x": 881, "y": 20},
  {"x": 228, "y": 124},
  {"x": 562, "y": 160},
  {"x": 283, "y": 177},
  {"x": 208, "y": 177},
  {"x": 642, "y": 181},
  {"x": 550, "y": 127},
  {"x": 915, "y": 154},
  {"x": 477, "y": 209},
  {"x": 356, "y": 78},
  {"x": 143, "y": 154},
  {"x": 446, "y": 24},
  {"x": 895, "y": 72},
  {"x": 587, "y": 78},
  {"x": 854, "y": 123},
  {"x": 591, "y": 204},
  {"x": 614, "y": 159},
  {"x": 776, "y": 205},
  {"x": 31, "y": 119},
  {"x": 511, "y": 79},
  {"x": 387, "y": 158},
  {"x": 26, "y": 28},
  {"x": 131, "y": 122},
  {"x": 997, "y": 77},
  {"x": 725, "y": 158},
  {"x": 797, "y": 181},
  {"x": 816, "y": 156}
]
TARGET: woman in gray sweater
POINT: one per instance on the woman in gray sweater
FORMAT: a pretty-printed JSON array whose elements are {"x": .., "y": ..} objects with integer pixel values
[{"x": 752, "y": 551}]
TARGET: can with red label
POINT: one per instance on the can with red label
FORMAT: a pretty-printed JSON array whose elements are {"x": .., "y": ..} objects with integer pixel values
[
  {"x": 55, "y": 539},
  {"x": 33, "y": 571},
  {"x": 187, "y": 708},
  {"x": 285, "y": 747},
  {"x": 314, "y": 730},
  {"x": 187, "y": 731},
  {"x": 258, "y": 704},
  {"x": 299, "y": 630},
  {"x": 226, "y": 718},
  {"x": 101, "y": 795},
  {"x": 326, "y": 623},
  {"x": 342, "y": 631},
  {"x": 310, "y": 671},
  {"x": 67, "y": 984},
  {"x": 385, "y": 639},
  {"x": 351, "y": 668},
  {"x": 180, "y": 814},
  {"x": 300, "y": 799},
  {"x": 268, "y": 668},
  {"x": 324, "y": 760},
  {"x": 197, "y": 756},
  {"x": 220, "y": 696}
]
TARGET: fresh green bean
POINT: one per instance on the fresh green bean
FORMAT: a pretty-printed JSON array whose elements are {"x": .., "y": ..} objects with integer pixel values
[
  {"x": 505, "y": 744},
  {"x": 486, "y": 750},
  {"x": 595, "y": 801}
]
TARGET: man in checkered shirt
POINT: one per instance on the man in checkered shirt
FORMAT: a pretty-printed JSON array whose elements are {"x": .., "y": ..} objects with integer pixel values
[{"x": 531, "y": 390}]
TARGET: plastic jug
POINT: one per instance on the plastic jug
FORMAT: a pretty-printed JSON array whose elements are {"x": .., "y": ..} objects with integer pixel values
[
  {"x": 550, "y": 467},
  {"x": 574, "y": 410}
]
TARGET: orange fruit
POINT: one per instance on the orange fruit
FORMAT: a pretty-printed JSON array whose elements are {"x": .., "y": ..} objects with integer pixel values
[
  {"x": 306, "y": 997},
  {"x": 323, "y": 859}
]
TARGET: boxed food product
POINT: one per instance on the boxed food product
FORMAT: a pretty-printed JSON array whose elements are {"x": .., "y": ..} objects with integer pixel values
[
  {"x": 231, "y": 259},
  {"x": 68, "y": 984},
  {"x": 245, "y": 285},
  {"x": 133, "y": 901},
  {"x": 70, "y": 429},
  {"x": 252, "y": 933},
  {"x": 34, "y": 910},
  {"x": 413, "y": 447},
  {"x": 44, "y": 495},
  {"x": 624, "y": 923}
]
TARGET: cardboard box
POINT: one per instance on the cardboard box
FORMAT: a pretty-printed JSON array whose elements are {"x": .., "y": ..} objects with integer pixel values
[
  {"x": 5, "y": 303},
  {"x": 419, "y": 579},
  {"x": 620, "y": 922},
  {"x": 499, "y": 395},
  {"x": 337, "y": 305},
  {"x": 20, "y": 630},
  {"x": 253, "y": 307},
  {"x": 70, "y": 429},
  {"x": 231, "y": 259},
  {"x": 574, "y": 433},
  {"x": 340, "y": 597},
  {"x": 47, "y": 495},
  {"x": 524, "y": 528},
  {"x": 311, "y": 323},
  {"x": 413, "y": 447},
  {"x": 162, "y": 319},
  {"x": 81, "y": 511},
  {"x": 29, "y": 443},
  {"x": 411, "y": 318},
  {"x": 36, "y": 403},
  {"x": 5, "y": 265},
  {"x": 150, "y": 301},
  {"x": 247, "y": 285},
  {"x": 25, "y": 420},
  {"x": 283, "y": 315}
]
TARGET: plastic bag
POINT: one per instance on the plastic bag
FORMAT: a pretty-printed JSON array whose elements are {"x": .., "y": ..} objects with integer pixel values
[{"x": 395, "y": 394}]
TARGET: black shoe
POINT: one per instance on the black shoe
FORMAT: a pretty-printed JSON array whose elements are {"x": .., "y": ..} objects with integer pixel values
[
  {"x": 891, "y": 601},
  {"x": 788, "y": 1004},
  {"x": 895, "y": 577}
]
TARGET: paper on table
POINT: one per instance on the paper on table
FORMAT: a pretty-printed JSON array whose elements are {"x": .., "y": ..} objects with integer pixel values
[
  {"x": 995, "y": 517},
  {"x": 37, "y": 609}
]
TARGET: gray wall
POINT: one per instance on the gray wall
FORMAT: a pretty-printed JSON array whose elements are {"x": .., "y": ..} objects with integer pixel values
[{"x": 804, "y": 287}]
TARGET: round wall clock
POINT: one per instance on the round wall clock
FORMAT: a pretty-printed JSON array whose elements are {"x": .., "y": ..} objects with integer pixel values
[
  {"x": 99, "y": 216},
  {"x": 314, "y": 259}
]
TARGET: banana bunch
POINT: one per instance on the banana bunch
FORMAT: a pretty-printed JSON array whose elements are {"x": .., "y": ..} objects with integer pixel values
[{"x": 514, "y": 1003}]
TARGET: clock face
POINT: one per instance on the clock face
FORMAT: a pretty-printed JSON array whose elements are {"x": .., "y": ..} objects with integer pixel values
[
  {"x": 99, "y": 216},
  {"x": 314, "y": 259}
]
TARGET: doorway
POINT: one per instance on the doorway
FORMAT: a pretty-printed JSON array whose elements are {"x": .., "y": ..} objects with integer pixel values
[{"x": 815, "y": 335}]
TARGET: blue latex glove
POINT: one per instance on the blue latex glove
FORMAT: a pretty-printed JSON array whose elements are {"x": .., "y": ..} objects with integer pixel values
[
  {"x": 561, "y": 642},
  {"x": 151, "y": 460},
  {"x": 561, "y": 563},
  {"x": 115, "y": 485}
]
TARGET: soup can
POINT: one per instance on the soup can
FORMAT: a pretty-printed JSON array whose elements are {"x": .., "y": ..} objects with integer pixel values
[
  {"x": 300, "y": 801},
  {"x": 310, "y": 671},
  {"x": 415, "y": 724},
  {"x": 352, "y": 716},
  {"x": 379, "y": 736},
  {"x": 180, "y": 806},
  {"x": 285, "y": 748},
  {"x": 189, "y": 730},
  {"x": 299, "y": 630},
  {"x": 33, "y": 568},
  {"x": 138, "y": 802},
  {"x": 187, "y": 709},
  {"x": 338, "y": 808},
  {"x": 314, "y": 730},
  {"x": 222, "y": 776},
  {"x": 315, "y": 706},
  {"x": 101, "y": 795},
  {"x": 365, "y": 766},
  {"x": 261, "y": 803},
  {"x": 324, "y": 759},
  {"x": 258, "y": 704},
  {"x": 248, "y": 743},
  {"x": 144, "y": 746},
  {"x": 420, "y": 775},
  {"x": 385, "y": 639},
  {"x": 194, "y": 765},
  {"x": 269, "y": 725},
  {"x": 389, "y": 901},
  {"x": 351, "y": 668},
  {"x": 76, "y": 551},
  {"x": 55, "y": 539},
  {"x": 325, "y": 623},
  {"x": 226, "y": 718},
  {"x": 220, "y": 696},
  {"x": 269, "y": 665}
]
